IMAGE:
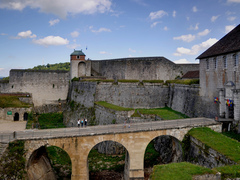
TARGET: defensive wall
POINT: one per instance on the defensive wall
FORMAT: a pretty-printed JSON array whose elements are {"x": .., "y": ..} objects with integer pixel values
[
  {"x": 46, "y": 87},
  {"x": 182, "y": 98},
  {"x": 142, "y": 68},
  {"x": 78, "y": 148}
]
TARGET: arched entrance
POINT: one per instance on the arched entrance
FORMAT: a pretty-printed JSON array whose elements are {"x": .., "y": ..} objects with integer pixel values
[
  {"x": 49, "y": 163},
  {"x": 16, "y": 117},
  {"x": 106, "y": 160},
  {"x": 81, "y": 69},
  {"x": 162, "y": 150},
  {"x": 25, "y": 116}
]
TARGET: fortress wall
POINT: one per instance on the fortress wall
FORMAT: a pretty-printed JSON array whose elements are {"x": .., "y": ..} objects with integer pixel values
[
  {"x": 46, "y": 87},
  {"x": 4, "y": 86},
  {"x": 133, "y": 95},
  {"x": 186, "y": 99},
  {"x": 147, "y": 68}
]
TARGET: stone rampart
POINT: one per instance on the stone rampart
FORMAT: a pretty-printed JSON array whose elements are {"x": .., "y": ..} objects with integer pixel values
[
  {"x": 142, "y": 68},
  {"x": 46, "y": 87}
]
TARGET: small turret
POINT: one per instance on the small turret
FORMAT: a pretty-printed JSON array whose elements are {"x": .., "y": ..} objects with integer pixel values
[{"x": 77, "y": 55}]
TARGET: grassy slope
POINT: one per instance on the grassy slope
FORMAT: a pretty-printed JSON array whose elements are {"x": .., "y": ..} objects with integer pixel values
[
  {"x": 183, "y": 171},
  {"x": 219, "y": 142},
  {"x": 12, "y": 101}
]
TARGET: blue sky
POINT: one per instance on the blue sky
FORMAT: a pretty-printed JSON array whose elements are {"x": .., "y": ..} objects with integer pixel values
[{"x": 37, "y": 32}]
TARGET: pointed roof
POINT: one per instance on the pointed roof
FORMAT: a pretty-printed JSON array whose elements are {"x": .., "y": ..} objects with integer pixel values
[
  {"x": 228, "y": 44},
  {"x": 77, "y": 53}
]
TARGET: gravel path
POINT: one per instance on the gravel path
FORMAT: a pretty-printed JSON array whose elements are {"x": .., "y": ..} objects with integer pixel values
[{"x": 10, "y": 126}]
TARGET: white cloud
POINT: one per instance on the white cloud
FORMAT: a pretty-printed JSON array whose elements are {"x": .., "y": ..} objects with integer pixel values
[
  {"x": 73, "y": 46},
  {"x": 165, "y": 28},
  {"x": 229, "y": 28},
  {"x": 194, "y": 9},
  {"x": 51, "y": 41},
  {"x": 75, "y": 34},
  {"x": 99, "y": 30},
  {"x": 104, "y": 52},
  {"x": 140, "y": 2},
  {"x": 174, "y": 13},
  {"x": 194, "y": 27},
  {"x": 154, "y": 24},
  {"x": 204, "y": 33},
  {"x": 25, "y": 34},
  {"x": 214, "y": 18},
  {"x": 53, "y": 22},
  {"x": 157, "y": 15},
  {"x": 60, "y": 8},
  {"x": 196, "y": 48},
  {"x": 232, "y": 18},
  {"x": 186, "y": 38},
  {"x": 132, "y": 50},
  {"x": 233, "y": 1},
  {"x": 182, "y": 61},
  {"x": 3, "y": 34}
]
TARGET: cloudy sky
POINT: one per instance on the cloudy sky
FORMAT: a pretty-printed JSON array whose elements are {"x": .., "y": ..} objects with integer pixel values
[{"x": 37, "y": 32}]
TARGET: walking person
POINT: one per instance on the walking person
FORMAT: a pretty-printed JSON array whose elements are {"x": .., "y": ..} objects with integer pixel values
[
  {"x": 78, "y": 122},
  {"x": 85, "y": 120},
  {"x": 82, "y": 123}
]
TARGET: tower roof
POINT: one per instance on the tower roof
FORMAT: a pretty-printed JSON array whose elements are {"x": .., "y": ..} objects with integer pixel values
[
  {"x": 228, "y": 44},
  {"x": 77, "y": 53}
]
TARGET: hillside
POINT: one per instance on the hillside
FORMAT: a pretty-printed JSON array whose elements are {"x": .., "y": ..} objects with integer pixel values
[{"x": 57, "y": 66}]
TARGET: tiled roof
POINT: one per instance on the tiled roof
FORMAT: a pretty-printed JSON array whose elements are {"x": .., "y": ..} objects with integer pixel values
[
  {"x": 191, "y": 75},
  {"x": 77, "y": 53},
  {"x": 228, "y": 44}
]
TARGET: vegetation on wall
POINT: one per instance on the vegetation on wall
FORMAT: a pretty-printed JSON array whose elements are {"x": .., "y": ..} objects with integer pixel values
[
  {"x": 183, "y": 81},
  {"x": 13, "y": 161},
  {"x": 12, "y": 101}
]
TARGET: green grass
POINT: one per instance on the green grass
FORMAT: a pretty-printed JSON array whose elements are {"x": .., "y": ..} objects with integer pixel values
[
  {"x": 151, "y": 156},
  {"x": 165, "y": 113},
  {"x": 232, "y": 171},
  {"x": 183, "y": 81},
  {"x": 51, "y": 120},
  {"x": 232, "y": 135},
  {"x": 112, "y": 106},
  {"x": 217, "y": 141},
  {"x": 128, "y": 80},
  {"x": 153, "y": 81},
  {"x": 12, "y": 101},
  {"x": 183, "y": 171},
  {"x": 99, "y": 162}
]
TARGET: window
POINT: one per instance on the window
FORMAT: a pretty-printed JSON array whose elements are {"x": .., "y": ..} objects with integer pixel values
[
  {"x": 235, "y": 57},
  {"x": 207, "y": 64},
  {"x": 215, "y": 62},
  {"x": 78, "y": 57},
  {"x": 225, "y": 61}
]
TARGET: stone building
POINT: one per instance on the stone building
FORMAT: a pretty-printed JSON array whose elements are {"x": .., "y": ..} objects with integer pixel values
[
  {"x": 137, "y": 68},
  {"x": 219, "y": 74}
]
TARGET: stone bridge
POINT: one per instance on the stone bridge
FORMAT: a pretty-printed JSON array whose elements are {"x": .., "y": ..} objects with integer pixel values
[{"x": 134, "y": 139}]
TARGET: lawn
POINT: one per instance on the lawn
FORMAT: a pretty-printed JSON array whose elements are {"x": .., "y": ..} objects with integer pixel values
[{"x": 183, "y": 171}]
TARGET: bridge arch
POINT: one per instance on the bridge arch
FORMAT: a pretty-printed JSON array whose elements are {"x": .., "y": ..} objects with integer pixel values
[{"x": 108, "y": 150}]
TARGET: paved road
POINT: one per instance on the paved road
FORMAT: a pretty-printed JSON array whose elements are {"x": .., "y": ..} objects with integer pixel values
[{"x": 95, "y": 130}]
